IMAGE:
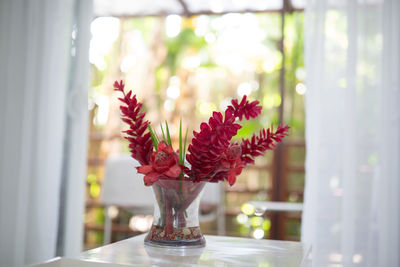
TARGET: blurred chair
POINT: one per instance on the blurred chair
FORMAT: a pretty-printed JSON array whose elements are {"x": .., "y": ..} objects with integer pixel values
[
  {"x": 124, "y": 187},
  {"x": 213, "y": 198}
]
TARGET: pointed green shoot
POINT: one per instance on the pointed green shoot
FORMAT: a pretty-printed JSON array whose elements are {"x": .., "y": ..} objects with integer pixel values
[
  {"x": 153, "y": 137},
  {"x": 180, "y": 143},
  {"x": 158, "y": 138},
  {"x": 184, "y": 146},
  {"x": 163, "y": 134},
  {"x": 168, "y": 135}
]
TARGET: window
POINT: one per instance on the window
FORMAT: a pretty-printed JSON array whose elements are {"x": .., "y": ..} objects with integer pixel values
[{"x": 187, "y": 67}]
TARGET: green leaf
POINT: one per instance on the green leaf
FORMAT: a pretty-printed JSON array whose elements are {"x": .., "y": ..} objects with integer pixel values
[
  {"x": 168, "y": 135},
  {"x": 162, "y": 130},
  {"x": 153, "y": 137},
  {"x": 184, "y": 146},
  {"x": 158, "y": 138},
  {"x": 180, "y": 142}
]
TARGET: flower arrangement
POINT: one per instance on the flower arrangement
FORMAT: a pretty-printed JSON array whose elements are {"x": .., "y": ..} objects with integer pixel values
[
  {"x": 212, "y": 156},
  {"x": 178, "y": 176}
]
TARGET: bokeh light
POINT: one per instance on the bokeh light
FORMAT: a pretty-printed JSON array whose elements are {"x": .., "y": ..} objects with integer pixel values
[
  {"x": 256, "y": 221},
  {"x": 258, "y": 233},
  {"x": 173, "y": 25},
  {"x": 248, "y": 209},
  {"x": 105, "y": 31},
  {"x": 140, "y": 222},
  {"x": 301, "y": 88},
  {"x": 266, "y": 225},
  {"x": 242, "y": 218}
]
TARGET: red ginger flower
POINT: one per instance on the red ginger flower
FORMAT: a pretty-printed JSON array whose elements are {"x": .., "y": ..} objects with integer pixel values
[
  {"x": 266, "y": 140},
  {"x": 230, "y": 165},
  {"x": 164, "y": 165},
  {"x": 208, "y": 146},
  {"x": 140, "y": 142}
]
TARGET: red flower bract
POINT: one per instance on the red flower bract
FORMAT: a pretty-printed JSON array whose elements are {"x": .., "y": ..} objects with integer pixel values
[
  {"x": 245, "y": 108},
  {"x": 231, "y": 164},
  {"x": 140, "y": 142},
  {"x": 209, "y": 145},
  {"x": 164, "y": 165},
  {"x": 266, "y": 140}
]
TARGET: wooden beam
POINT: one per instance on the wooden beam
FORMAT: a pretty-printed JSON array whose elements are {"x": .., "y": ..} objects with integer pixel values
[
  {"x": 186, "y": 11},
  {"x": 198, "y": 13}
]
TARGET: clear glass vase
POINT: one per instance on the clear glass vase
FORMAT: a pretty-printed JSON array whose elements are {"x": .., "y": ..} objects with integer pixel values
[{"x": 176, "y": 214}]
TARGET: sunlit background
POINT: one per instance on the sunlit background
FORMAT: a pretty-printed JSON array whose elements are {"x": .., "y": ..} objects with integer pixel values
[{"x": 182, "y": 67}]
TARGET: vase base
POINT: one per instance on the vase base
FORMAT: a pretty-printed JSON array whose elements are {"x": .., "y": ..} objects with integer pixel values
[
  {"x": 179, "y": 238},
  {"x": 176, "y": 243}
]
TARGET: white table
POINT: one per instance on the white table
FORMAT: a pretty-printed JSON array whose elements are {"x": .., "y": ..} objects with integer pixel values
[{"x": 219, "y": 251}]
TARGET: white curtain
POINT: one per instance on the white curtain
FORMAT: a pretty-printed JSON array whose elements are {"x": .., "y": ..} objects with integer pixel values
[
  {"x": 43, "y": 114},
  {"x": 352, "y": 195}
]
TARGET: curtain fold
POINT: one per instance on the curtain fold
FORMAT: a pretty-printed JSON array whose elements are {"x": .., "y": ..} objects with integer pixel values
[
  {"x": 73, "y": 184},
  {"x": 352, "y": 196},
  {"x": 35, "y": 54}
]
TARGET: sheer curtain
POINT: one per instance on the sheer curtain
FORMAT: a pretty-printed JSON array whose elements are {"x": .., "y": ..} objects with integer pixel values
[
  {"x": 352, "y": 195},
  {"x": 43, "y": 115}
]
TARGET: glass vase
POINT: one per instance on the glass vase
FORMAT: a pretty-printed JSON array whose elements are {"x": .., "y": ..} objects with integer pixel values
[{"x": 176, "y": 214}]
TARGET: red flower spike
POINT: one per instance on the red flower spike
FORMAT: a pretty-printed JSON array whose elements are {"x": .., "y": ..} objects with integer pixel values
[
  {"x": 140, "y": 145},
  {"x": 245, "y": 108},
  {"x": 266, "y": 140},
  {"x": 211, "y": 155},
  {"x": 164, "y": 164},
  {"x": 119, "y": 86},
  {"x": 210, "y": 143}
]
